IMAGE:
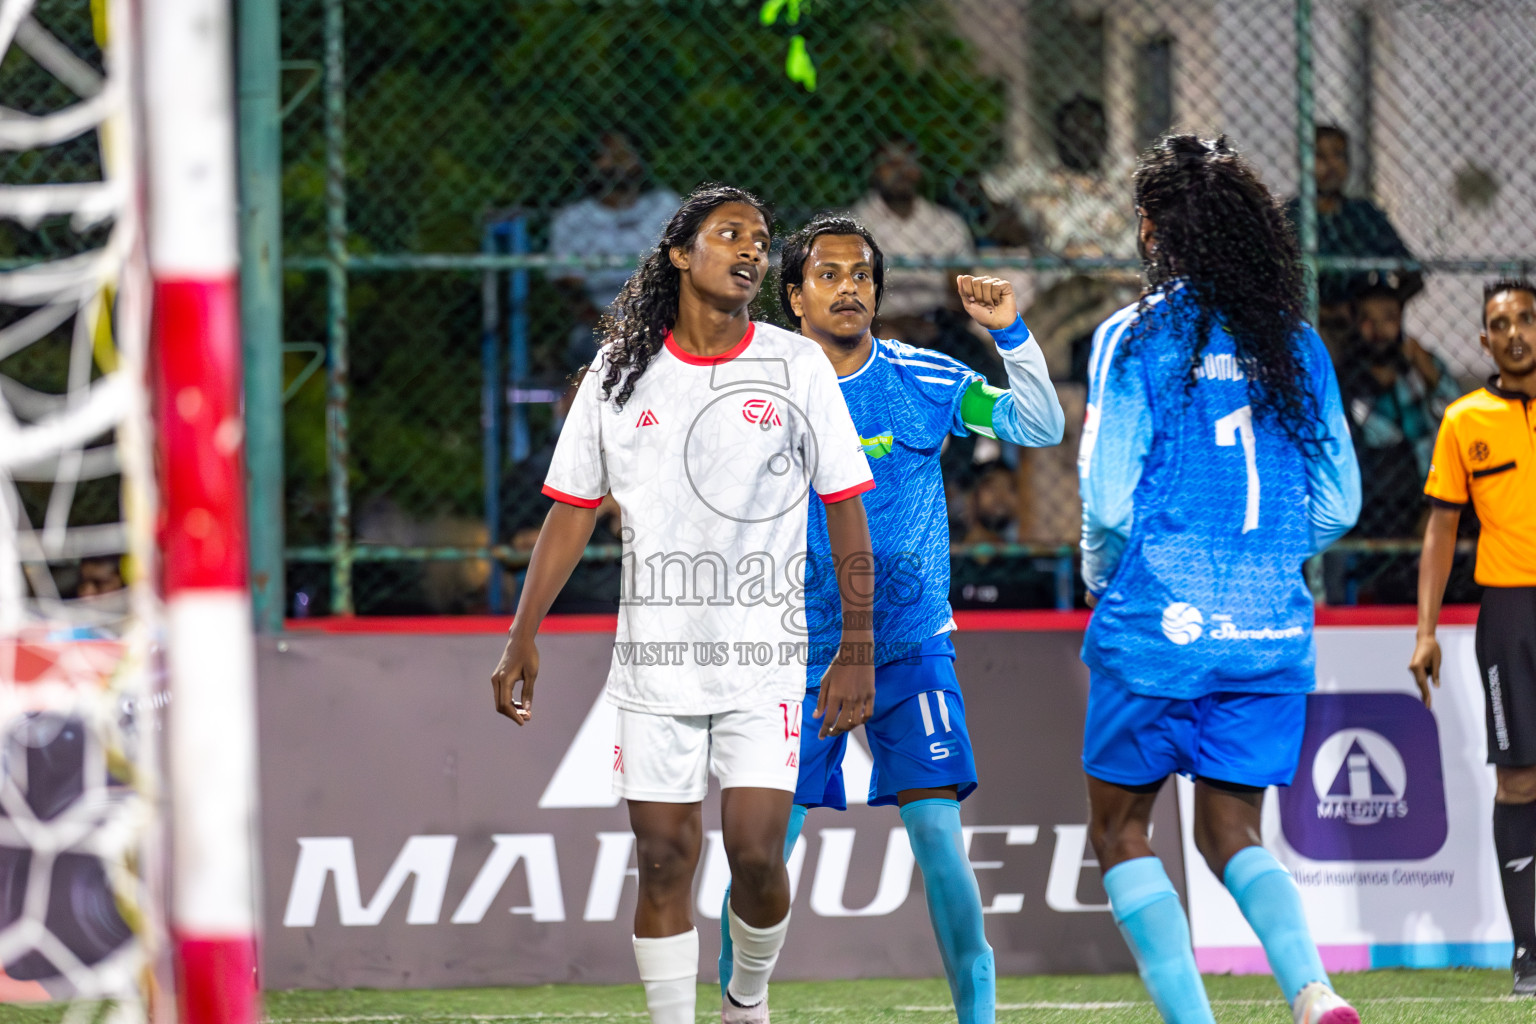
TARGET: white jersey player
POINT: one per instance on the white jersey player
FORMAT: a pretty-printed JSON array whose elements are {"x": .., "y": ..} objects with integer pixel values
[{"x": 709, "y": 431}]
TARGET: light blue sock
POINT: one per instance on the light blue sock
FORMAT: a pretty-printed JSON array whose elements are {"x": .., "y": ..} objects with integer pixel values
[
  {"x": 1267, "y": 895},
  {"x": 954, "y": 906},
  {"x": 727, "y": 964},
  {"x": 1152, "y": 920}
]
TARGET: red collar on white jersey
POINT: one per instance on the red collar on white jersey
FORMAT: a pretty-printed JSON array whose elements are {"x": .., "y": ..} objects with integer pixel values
[{"x": 724, "y": 357}]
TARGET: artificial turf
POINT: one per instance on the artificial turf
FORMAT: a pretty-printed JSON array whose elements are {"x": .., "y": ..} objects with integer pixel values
[{"x": 1383, "y": 997}]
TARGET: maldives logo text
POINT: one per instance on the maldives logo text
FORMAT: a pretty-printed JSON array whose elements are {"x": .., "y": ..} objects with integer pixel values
[
  {"x": 1369, "y": 784},
  {"x": 1359, "y": 777}
]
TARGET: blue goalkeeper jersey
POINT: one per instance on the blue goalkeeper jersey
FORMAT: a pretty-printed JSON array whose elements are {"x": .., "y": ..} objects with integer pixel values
[
  {"x": 905, "y": 401},
  {"x": 1197, "y": 515}
]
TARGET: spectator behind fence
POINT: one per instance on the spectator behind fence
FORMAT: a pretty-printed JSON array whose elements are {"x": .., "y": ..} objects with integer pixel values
[
  {"x": 98, "y": 584},
  {"x": 593, "y": 586},
  {"x": 1395, "y": 391},
  {"x": 1076, "y": 206},
  {"x": 99, "y": 575},
  {"x": 619, "y": 218},
  {"x": 991, "y": 506},
  {"x": 907, "y": 224},
  {"x": 1348, "y": 227},
  {"x": 985, "y": 578}
]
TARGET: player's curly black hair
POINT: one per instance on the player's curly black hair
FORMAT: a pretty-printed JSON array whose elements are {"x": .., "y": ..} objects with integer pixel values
[
  {"x": 1220, "y": 231},
  {"x": 797, "y": 249},
  {"x": 634, "y": 328}
]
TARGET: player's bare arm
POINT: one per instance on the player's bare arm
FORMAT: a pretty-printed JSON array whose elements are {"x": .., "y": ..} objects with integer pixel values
[
  {"x": 1434, "y": 570},
  {"x": 556, "y": 553},
  {"x": 988, "y": 300},
  {"x": 848, "y": 689}
]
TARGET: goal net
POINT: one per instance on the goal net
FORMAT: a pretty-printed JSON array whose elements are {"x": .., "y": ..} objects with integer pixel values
[{"x": 80, "y": 618}]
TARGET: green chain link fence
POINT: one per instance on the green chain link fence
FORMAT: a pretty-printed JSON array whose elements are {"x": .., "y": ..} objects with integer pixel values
[{"x": 463, "y": 183}]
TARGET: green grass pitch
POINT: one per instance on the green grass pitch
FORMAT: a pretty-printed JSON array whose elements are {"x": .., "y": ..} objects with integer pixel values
[{"x": 1383, "y": 997}]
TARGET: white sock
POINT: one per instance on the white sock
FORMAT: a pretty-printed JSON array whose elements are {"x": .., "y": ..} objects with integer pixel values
[
  {"x": 669, "y": 969},
  {"x": 756, "y": 951}
]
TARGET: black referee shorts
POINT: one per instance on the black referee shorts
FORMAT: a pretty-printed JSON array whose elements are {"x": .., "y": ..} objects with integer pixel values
[{"x": 1506, "y": 659}]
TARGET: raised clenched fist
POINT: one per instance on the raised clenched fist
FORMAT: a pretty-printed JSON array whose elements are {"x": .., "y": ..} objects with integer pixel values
[{"x": 989, "y": 301}]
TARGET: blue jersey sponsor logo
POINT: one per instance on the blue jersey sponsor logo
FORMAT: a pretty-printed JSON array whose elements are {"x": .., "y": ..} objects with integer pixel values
[{"x": 879, "y": 446}]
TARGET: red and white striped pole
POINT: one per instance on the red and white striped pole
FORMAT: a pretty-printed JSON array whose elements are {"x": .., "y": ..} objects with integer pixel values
[{"x": 190, "y": 125}]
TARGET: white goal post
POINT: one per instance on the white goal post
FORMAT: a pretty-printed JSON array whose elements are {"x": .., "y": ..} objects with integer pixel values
[{"x": 120, "y": 364}]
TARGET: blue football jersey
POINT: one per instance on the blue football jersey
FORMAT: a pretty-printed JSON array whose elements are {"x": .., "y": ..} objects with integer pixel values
[
  {"x": 905, "y": 401},
  {"x": 1197, "y": 515}
]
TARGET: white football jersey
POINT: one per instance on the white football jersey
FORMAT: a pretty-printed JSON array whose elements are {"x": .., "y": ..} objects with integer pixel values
[{"x": 711, "y": 461}]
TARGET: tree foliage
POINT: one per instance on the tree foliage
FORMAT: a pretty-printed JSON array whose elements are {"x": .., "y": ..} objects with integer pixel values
[{"x": 457, "y": 107}]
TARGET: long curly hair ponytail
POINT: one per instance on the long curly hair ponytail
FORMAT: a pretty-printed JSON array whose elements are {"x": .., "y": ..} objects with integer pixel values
[{"x": 1221, "y": 232}]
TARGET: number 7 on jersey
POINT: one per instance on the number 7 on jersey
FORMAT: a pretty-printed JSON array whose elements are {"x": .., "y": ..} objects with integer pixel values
[{"x": 1229, "y": 429}]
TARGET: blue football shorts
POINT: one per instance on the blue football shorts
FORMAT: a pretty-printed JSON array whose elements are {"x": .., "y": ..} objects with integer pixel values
[
  {"x": 1250, "y": 739},
  {"x": 917, "y": 735}
]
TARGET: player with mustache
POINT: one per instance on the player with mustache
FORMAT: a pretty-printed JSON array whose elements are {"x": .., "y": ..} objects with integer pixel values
[
  {"x": 905, "y": 401},
  {"x": 1484, "y": 457}
]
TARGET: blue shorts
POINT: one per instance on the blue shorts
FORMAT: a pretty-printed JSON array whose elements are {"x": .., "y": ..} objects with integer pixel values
[
  {"x": 918, "y": 739},
  {"x": 1251, "y": 739}
]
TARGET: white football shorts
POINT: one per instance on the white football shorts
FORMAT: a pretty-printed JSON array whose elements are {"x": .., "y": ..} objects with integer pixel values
[{"x": 668, "y": 758}]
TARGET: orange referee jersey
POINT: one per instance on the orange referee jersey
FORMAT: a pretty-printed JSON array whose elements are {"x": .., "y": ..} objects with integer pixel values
[{"x": 1486, "y": 454}]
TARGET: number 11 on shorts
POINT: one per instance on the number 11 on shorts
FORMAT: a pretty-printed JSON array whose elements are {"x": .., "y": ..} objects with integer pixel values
[{"x": 1230, "y": 429}]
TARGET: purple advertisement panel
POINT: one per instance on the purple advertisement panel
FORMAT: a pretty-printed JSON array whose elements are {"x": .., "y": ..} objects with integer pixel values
[
  {"x": 1369, "y": 785},
  {"x": 413, "y": 837},
  {"x": 1385, "y": 827}
]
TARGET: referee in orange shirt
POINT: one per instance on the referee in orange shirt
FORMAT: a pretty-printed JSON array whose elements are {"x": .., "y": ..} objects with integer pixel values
[{"x": 1486, "y": 455}]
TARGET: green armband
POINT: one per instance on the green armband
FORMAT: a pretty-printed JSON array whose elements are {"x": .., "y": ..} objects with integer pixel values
[{"x": 976, "y": 407}]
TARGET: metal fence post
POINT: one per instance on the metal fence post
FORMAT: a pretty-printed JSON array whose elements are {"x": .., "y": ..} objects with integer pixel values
[
  {"x": 261, "y": 303},
  {"x": 1306, "y": 209},
  {"x": 337, "y": 383},
  {"x": 519, "y": 444},
  {"x": 490, "y": 410},
  {"x": 1306, "y": 153},
  {"x": 1063, "y": 578}
]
